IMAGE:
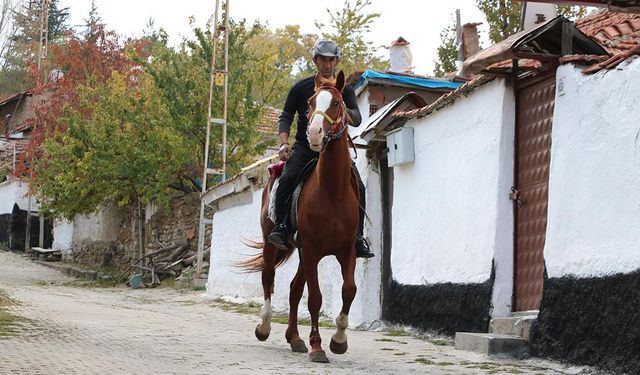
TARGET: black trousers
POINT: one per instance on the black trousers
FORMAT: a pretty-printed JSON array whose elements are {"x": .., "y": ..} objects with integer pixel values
[{"x": 301, "y": 155}]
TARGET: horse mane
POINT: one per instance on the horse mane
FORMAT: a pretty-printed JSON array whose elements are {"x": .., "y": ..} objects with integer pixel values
[{"x": 325, "y": 81}]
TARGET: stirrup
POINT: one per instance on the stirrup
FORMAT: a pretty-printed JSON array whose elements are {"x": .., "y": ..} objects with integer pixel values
[
  {"x": 279, "y": 239},
  {"x": 362, "y": 248}
]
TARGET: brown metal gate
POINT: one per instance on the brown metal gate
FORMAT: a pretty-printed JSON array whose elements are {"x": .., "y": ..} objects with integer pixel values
[{"x": 534, "y": 105}]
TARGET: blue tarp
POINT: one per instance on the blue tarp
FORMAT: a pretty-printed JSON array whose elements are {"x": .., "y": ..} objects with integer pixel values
[{"x": 416, "y": 81}]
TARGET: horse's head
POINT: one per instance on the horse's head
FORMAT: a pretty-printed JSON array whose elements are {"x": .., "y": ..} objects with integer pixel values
[{"x": 326, "y": 112}]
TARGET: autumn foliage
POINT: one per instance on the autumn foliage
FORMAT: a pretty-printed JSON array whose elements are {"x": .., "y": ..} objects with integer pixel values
[{"x": 76, "y": 62}]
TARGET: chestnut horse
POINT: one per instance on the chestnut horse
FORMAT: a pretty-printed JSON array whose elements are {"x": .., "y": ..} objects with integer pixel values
[{"x": 327, "y": 218}]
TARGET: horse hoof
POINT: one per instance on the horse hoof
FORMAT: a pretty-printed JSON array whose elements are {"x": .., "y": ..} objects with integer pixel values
[
  {"x": 338, "y": 348},
  {"x": 319, "y": 357},
  {"x": 298, "y": 346},
  {"x": 261, "y": 336}
]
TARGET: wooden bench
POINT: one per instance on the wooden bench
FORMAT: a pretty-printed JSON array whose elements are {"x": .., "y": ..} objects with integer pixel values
[{"x": 47, "y": 254}]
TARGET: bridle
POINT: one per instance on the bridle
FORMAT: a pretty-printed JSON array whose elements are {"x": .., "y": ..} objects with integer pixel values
[{"x": 337, "y": 125}]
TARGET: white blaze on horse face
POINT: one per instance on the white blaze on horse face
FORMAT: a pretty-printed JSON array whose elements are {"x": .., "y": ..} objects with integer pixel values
[{"x": 315, "y": 131}]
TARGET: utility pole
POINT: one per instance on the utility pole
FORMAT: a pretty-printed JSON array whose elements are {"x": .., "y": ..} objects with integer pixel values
[
  {"x": 459, "y": 51},
  {"x": 42, "y": 56},
  {"x": 216, "y": 78}
]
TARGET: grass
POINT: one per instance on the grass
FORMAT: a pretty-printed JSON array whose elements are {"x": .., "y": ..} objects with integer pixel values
[
  {"x": 188, "y": 302},
  {"x": 397, "y": 332},
  {"x": 83, "y": 283},
  {"x": 482, "y": 365},
  {"x": 424, "y": 361},
  {"x": 7, "y": 319},
  {"x": 440, "y": 342},
  {"x": 384, "y": 339},
  {"x": 284, "y": 319},
  {"x": 253, "y": 308},
  {"x": 427, "y": 361}
]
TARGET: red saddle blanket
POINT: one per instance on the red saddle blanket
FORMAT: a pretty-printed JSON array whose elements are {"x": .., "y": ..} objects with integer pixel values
[{"x": 275, "y": 170}]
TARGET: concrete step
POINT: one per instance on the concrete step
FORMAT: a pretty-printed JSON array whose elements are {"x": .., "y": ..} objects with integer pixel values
[
  {"x": 70, "y": 270},
  {"x": 517, "y": 325},
  {"x": 489, "y": 343}
]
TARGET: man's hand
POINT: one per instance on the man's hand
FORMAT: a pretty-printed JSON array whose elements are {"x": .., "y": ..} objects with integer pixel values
[{"x": 284, "y": 152}]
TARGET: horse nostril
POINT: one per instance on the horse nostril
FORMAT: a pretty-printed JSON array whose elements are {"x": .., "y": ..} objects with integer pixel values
[{"x": 319, "y": 131}]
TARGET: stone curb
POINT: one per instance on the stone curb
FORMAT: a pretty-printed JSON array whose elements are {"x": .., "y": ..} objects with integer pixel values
[{"x": 70, "y": 270}]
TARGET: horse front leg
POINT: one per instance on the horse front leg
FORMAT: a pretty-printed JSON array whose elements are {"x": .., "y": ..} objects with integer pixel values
[
  {"x": 295, "y": 294},
  {"x": 339, "y": 339},
  {"x": 314, "y": 303},
  {"x": 268, "y": 274}
]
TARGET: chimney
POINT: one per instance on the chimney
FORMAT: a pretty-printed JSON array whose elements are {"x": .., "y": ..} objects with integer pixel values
[
  {"x": 400, "y": 56},
  {"x": 470, "y": 41}
]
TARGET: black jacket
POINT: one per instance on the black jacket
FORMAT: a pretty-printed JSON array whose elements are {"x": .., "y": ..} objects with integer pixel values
[{"x": 297, "y": 102}]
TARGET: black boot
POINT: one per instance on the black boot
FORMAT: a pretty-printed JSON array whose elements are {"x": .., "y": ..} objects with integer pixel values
[
  {"x": 362, "y": 248},
  {"x": 279, "y": 237}
]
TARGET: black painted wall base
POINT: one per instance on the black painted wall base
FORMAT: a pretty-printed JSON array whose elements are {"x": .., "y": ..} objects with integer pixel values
[
  {"x": 446, "y": 308},
  {"x": 4, "y": 227},
  {"x": 590, "y": 321}
]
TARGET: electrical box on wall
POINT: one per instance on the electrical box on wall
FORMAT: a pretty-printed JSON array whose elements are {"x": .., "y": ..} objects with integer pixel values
[{"x": 400, "y": 147}]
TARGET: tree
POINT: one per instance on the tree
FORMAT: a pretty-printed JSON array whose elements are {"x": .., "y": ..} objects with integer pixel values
[
  {"x": 22, "y": 46},
  {"x": 83, "y": 62},
  {"x": 447, "y": 52},
  {"x": 503, "y": 16},
  {"x": 182, "y": 75},
  {"x": 349, "y": 27},
  {"x": 119, "y": 148},
  {"x": 7, "y": 28},
  {"x": 571, "y": 12},
  {"x": 92, "y": 23},
  {"x": 274, "y": 56}
]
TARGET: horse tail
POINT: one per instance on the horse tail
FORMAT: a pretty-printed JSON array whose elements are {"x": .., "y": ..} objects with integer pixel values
[{"x": 256, "y": 262}]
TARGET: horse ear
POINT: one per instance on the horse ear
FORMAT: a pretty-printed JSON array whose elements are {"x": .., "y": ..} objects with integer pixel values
[{"x": 340, "y": 81}]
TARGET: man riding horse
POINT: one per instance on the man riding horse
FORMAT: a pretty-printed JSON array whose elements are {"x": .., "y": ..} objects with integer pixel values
[{"x": 326, "y": 56}]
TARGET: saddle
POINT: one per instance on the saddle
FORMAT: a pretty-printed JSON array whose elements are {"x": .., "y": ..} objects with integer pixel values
[{"x": 275, "y": 170}]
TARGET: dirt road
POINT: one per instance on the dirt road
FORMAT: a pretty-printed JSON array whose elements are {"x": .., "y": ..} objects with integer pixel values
[{"x": 66, "y": 329}]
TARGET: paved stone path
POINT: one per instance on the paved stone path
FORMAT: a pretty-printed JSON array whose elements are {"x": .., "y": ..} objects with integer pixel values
[{"x": 66, "y": 329}]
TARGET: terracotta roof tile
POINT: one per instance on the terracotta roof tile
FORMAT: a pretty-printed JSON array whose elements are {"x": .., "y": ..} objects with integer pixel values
[
  {"x": 618, "y": 33},
  {"x": 612, "y": 29},
  {"x": 447, "y": 98},
  {"x": 584, "y": 58},
  {"x": 506, "y": 65}
]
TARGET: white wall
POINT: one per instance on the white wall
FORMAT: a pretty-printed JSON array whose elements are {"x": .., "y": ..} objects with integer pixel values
[
  {"x": 62, "y": 236},
  {"x": 451, "y": 213},
  {"x": 103, "y": 225},
  {"x": 594, "y": 196},
  {"x": 233, "y": 225},
  {"x": 14, "y": 192}
]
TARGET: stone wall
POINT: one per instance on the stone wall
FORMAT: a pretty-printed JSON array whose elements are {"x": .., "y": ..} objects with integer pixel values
[
  {"x": 162, "y": 226},
  {"x": 176, "y": 222}
]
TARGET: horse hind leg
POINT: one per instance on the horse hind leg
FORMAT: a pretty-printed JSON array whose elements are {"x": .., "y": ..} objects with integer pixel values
[
  {"x": 339, "y": 343},
  {"x": 268, "y": 274},
  {"x": 295, "y": 294}
]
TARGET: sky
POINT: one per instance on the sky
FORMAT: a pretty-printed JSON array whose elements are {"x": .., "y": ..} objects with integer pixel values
[{"x": 418, "y": 21}]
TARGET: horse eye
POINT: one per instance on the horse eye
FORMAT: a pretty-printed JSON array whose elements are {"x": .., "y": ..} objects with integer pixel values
[{"x": 335, "y": 103}]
